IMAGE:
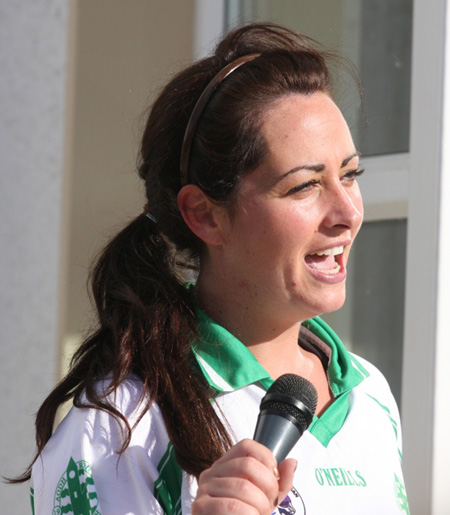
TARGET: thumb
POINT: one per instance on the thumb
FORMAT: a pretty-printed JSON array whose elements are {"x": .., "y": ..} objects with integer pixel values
[{"x": 286, "y": 469}]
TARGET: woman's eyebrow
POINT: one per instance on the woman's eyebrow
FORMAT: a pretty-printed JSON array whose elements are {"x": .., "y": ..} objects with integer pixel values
[
  {"x": 319, "y": 167},
  {"x": 349, "y": 158}
]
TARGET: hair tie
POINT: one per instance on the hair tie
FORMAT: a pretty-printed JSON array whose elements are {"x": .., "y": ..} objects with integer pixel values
[
  {"x": 148, "y": 214},
  {"x": 151, "y": 217},
  {"x": 198, "y": 110}
]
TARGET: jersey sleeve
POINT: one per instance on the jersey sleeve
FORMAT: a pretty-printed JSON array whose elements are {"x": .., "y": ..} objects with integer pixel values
[{"x": 81, "y": 470}]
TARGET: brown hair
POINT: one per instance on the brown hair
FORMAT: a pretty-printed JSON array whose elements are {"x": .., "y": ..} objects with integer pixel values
[{"x": 146, "y": 316}]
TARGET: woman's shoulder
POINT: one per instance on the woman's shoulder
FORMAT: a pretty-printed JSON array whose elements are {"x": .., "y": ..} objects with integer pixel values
[
  {"x": 376, "y": 386},
  {"x": 369, "y": 370},
  {"x": 89, "y": 424},
  {"x": 88, "y": 447},
  {"x": 128, "y": 398}
]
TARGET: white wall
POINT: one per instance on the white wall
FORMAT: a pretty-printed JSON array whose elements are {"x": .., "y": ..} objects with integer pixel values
[{"x": 33, "y": 63}]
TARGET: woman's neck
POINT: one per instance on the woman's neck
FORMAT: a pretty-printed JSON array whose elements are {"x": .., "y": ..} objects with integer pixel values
[
  {"x": 273, "y": 341},
  {"x": 243, "y": 315}
]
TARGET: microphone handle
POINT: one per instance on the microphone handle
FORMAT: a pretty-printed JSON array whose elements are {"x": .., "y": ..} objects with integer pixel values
[{"x": 277, "y": 432}]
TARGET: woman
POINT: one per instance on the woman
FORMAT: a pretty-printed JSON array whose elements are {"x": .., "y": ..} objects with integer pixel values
[{"x": 250, "y": 172}]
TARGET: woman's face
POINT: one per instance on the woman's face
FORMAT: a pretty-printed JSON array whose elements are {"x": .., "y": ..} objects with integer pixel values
[{"x": 297, "y": 214}]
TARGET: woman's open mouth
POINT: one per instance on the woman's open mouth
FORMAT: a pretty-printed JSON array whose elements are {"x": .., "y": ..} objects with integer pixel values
[{"x": 329, "y": 261}]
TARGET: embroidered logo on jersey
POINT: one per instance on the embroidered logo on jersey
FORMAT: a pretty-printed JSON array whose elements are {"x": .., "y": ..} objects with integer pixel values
[
  {"x": 75, "y": 493},
  {"x": 400, "y": 493},
  {"x": 286, "y": 507}
]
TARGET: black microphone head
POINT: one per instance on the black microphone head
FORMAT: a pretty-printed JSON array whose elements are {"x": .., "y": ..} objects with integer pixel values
[{"x": 292, "y": 395}]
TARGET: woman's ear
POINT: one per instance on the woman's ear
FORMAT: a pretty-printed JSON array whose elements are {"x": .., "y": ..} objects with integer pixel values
[{"x": 204, "y": 217}]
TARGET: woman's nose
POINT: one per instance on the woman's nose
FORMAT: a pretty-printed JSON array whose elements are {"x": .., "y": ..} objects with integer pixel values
[{"x": 344, "y": 207}]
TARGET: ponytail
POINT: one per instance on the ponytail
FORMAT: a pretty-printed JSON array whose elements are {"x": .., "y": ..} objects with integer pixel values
[{"x": 147, "y": 325}]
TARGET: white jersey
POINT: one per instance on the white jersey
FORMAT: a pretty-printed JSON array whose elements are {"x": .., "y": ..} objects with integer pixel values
[{"x": 349, "y": 460}]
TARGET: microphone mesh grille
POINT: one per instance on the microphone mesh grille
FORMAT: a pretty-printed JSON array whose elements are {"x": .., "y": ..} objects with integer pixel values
[{"x": 297, "y": 387}]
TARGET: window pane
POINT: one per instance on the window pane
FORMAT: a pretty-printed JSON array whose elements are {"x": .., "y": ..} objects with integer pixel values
[
  {"x": 376, "y": 36},
  {"x": 371, "y": 321}
]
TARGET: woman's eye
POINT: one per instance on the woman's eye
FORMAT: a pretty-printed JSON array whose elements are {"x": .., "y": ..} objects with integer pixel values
[
  {"x": 303, "y": 187},
  {"x": 352, "y": 175}
]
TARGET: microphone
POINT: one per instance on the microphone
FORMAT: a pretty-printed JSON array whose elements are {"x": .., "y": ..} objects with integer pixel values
[{"x": 286, "y": 411}]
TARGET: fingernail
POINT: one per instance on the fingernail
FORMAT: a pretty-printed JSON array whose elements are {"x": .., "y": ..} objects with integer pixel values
[{"x": 276, "y": 472}]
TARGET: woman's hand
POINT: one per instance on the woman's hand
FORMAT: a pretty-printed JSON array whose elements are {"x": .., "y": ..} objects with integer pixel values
[{"x": 244, "y": 481}]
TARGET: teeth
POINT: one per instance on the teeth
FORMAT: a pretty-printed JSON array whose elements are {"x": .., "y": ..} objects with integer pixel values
[
  {"x": 335, "y": 270},
  {"x": 331, "y": 252}
]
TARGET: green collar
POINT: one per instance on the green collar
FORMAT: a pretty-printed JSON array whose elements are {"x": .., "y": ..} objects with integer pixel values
[
  {"x": 344, "y": 371},
  {"x": 225, "y": 361},
  {"x": 228, "y": 365}
]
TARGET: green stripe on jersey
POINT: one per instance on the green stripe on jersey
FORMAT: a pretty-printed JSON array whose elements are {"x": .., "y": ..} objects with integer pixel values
[
  {"x": 32, "y": 500},
  {"x": 167, "y": 489}
]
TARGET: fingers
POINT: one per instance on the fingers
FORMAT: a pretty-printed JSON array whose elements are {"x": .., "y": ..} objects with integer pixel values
[
  {"x": 244, "y": 478},
  {"x": 233, "y": 495},
  {"x": 250, "y": 448},
  {"x": 242, "y": 481},
  {"x": 222, "y": 506}
]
